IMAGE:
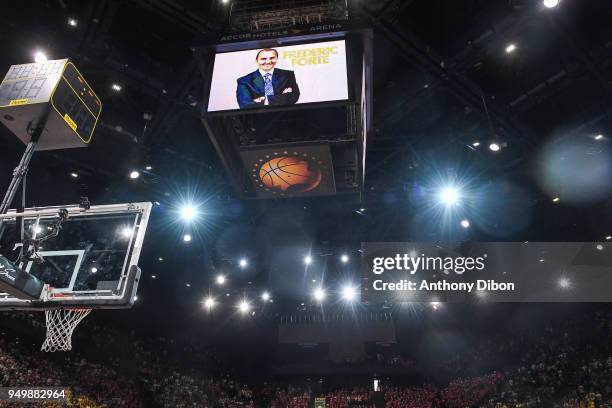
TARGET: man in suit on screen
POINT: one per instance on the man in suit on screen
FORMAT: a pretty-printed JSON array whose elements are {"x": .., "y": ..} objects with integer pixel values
[{"x": 267, "y": 85}]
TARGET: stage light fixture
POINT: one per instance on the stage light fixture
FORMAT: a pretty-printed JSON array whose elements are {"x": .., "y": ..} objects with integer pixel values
[
  {"x": 307, "y": 259},
  {"x": 599, "y": 247},
  {"x": 609, "y": 237},
  {"x": 556, "y": 199},
  {"x": 344, "y": 258},
  {"x": 153, "y": 276},
  {"x": 188, "y": 212},
  {"x": 598, "y": 137},
  {"x": 220, "y": 280},
  {"x": 465, "y": 223},
  {"x": 550, "y": 3},
  {"x": 188, "y": 285},
  {"x": 449, "y": 196},
  {"x": 40, "y": 56},
  {"x": 116, "y": 87},
  {"x": 510, "y": 48},
  {"x": 243, "y": 263},
  {"x": 244, "y": 306},
  {"x": 265, "y": 296},
  {"x": 94, "y": 270},
  {"x": 209, "y": 303},
  {"x": 476, "y": 144},
  {"x": 494, "y": 147},
  {"x": 134, "y": 174},
  {"x": 319, "y": 295},
  {"x": 349, "y": 293},
  {"x": 160, "y": 259},
  {"x": 564, "y": 283},
  {"x": 187, "y": 237},
  {"x": 72, "y": 22},
  {"x": 74, "y": 175},
  {"x": 435, "y": 305},
  {"x": 148, "y": 168}
]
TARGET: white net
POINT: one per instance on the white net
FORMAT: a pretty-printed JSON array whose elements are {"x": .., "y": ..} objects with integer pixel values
[{"x": 60, "y": 325}]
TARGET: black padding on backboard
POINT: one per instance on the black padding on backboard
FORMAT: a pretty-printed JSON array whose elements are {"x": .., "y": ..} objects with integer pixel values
[{"x": 17, "y": 282}]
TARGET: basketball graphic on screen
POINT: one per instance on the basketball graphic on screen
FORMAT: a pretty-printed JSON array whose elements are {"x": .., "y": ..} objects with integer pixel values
[{"x": 290, "y": 174}]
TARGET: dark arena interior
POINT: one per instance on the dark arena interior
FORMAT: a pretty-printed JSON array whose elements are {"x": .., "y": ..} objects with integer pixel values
[{"x": 274, "y": 150}]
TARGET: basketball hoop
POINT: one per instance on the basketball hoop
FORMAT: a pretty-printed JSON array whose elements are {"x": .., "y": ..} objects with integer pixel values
[{"x": 60, "y": 325}]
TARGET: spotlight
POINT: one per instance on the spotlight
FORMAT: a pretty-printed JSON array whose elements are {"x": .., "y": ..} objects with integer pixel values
[
  {"x": 153, "y": 276},
  {"x": 188, "y": 212},
  {"x": 187, "y": 238},
  {"x": 476, "y": 144},
  {"x": 362, "y": 209},
  {"x": 160, "y": 259},
  {"x": 319, "y": 295},
  {"x": 556, "y": 199},
  {"x": 126, "y": 232},
  {"x": 149, "y": 168},
  {"x": 564, "y": 283},
  {"x": 598, "y": 137},
  {"x": 609, "y": 237},
  {"x": 265, "y": 296},
  {"x": 37, "y": 229},
  {"x": 599, "y": 247},
  {"x": 40, "y": 56},
  {"x": 72, "y": 22},
  {"x": 209, "y": 303},
  {"x": 116, "y": 87},
  {"x": 243, "y": 263},
  {"x": 435, "y": 305},
  {"x": 244, "y": 306},
  {"x": 220, "y": 279},
  {"x": 188, "y": 285},
  {"x": 94, "y": 270},
  {"x": 349, "y": 293},
  {"x": 344, "y": 258},
  {"x": 307, "y": 259},
  {"x": 74, "y": 175},
  {"x": 449, "y": 196},
  {"x": 494, "y": 147},
  {"x": 134, "y": 175},
  {"x": 550, "y": 3},
  {"x": 465, "y": 223},
  {"x": 510, "y": 48}
]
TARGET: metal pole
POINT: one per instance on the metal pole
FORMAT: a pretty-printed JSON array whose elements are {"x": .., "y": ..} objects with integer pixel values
[
  {"x": 18, "y": 175},
  {"x": 22, "y": 169}
]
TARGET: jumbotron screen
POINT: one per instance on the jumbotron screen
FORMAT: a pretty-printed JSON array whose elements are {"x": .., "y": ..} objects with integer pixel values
[{"x": 279, "y": 76}]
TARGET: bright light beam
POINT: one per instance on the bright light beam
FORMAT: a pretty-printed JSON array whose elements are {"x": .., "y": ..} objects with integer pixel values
[
  {"x": 349, "y": 293},
  {"x": 449, "y": 196},
  {"x": 319, "y": 295},
  {"x": 188, "y": 212}
]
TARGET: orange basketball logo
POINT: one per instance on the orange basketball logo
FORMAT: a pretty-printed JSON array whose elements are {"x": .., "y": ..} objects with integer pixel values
[{"x": 290, "y": 174}]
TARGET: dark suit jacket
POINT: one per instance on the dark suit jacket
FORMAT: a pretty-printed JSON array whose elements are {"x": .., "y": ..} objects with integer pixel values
[{"x": 252, "y": 86}]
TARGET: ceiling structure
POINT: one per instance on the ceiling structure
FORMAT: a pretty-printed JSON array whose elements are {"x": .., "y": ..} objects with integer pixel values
[{"x": 449, "y": 79}]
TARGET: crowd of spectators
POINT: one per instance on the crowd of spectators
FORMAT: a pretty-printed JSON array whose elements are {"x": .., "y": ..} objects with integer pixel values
[{"x": 560, "y": 366}]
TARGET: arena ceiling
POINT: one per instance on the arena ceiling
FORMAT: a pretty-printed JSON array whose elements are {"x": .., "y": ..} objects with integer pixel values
[{"x": 446, "y": 77}]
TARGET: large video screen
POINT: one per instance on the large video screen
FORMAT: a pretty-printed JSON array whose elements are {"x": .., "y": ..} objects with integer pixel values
[{"x": 280, "y": 76}]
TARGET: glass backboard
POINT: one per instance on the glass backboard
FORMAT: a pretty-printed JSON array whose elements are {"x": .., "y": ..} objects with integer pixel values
[{"x": 92, "y": 262}]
